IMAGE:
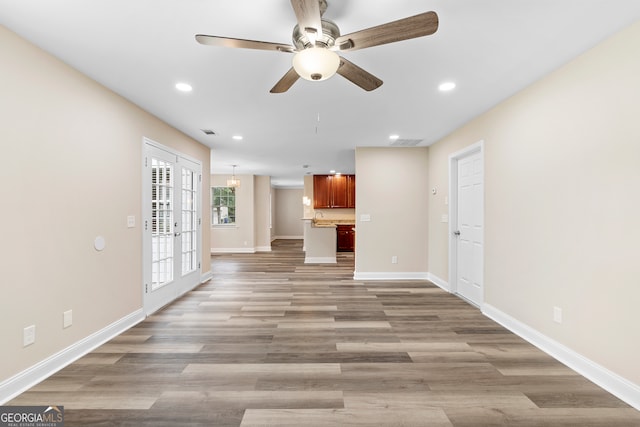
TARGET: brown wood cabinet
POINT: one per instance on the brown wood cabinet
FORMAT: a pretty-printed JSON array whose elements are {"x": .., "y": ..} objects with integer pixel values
[
  {"x": 321, "y": 191},
  {"x": 334, "y": 191},
  {"x": 351, "y": 191},
  {"x": 346, "y": 238}
]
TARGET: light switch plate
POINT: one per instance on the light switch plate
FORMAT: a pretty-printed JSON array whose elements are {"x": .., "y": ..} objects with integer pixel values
[
  {"x": 131, "y": 221},
  {"x": 365, "y": 218},
  {"x": 29, "y": 335},
  {"x": 557, "y": 314},
  {"x": 67, "y": 318},
  {"x": 444, "y": 218}
]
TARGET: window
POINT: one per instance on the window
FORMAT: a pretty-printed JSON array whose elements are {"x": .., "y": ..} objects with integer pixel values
[{"x": 223, "y": 205}]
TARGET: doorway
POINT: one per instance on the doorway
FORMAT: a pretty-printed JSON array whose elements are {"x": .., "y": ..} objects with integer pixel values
[
  {"x": 466, "y": 224},
  {"x": 172, "y": 229}
]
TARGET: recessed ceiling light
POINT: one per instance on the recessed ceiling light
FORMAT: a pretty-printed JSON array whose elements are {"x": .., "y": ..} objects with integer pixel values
[
  {"x": 184, "y": 87},
  {"x": 237, "y": 137},
  {"x": 446, "y": 86},
  {"x": 394, "y": 137},
  {"x": 332, "y": 171}
]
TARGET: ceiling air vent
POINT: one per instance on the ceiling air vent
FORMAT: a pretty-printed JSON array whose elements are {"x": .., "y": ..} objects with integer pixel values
[
  {"x": 406, "y": 142},
  {"x": 208, "y": 131}
]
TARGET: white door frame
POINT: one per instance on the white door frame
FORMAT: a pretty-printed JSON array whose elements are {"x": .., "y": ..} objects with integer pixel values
[
  {"x": 194, "y": 280},
  {"x": 454, "y": 158}
]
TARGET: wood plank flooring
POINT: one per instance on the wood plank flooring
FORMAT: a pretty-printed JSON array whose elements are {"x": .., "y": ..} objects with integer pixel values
[{"x": 270, "y": 341}]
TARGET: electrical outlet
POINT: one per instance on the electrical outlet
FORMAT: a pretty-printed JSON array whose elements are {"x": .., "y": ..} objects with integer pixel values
[
  {"x": 557, "y": 314},
  {"x": 67, "y": 318},
  {"x": 394, "y": 259},
  {"x": 29, "y": 335}
]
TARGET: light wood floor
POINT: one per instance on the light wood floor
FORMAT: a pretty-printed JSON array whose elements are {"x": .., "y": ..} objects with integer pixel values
[{"x": 272, "y": 341}]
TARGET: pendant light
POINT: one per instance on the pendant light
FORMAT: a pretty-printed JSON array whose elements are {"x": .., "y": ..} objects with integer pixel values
[{"x": 233, "y": 182}]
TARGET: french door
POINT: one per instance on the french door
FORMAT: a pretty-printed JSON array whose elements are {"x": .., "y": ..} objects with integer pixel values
[{"x": 172, "y": 225}]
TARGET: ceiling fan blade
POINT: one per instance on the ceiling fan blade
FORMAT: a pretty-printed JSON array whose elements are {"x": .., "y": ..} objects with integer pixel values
[
  {"x": 285, "y": 83},
  {"x": 241, "y": 43},
  {"x": 309, "y": 18},
  {"x": 358, "y": 76},
  {"x": 420, "y": 25}
]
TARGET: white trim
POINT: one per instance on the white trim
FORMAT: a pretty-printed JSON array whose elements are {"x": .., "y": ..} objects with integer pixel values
[
  {"x": 320, "y": 260},
  {"x": 233, "y": 250},
  {"x": 390, "y": 276},
  {"x": 441, "y": 283},
  {"x": 453, "y": 211},
  {"x": 610, "y": 381},
  {"x": 263, "y": 248},
  {"x": 26, "y": 379},
  {"x": 288, "y": 238},
  {"x": 206, "y": 277}
]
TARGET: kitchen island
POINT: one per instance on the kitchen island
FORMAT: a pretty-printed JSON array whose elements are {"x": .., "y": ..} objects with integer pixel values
[
  {"x": 322, "y": 239},
  {"x": 319, "y": 242}
]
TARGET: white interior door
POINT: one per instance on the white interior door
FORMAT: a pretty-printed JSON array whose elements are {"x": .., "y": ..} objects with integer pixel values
[
  {"x": 172, "y": 225},
  {"x": 468, "y": 235}
]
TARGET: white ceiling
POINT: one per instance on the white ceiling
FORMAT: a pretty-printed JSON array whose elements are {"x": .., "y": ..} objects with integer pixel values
[{"x": 142, "y": 48}]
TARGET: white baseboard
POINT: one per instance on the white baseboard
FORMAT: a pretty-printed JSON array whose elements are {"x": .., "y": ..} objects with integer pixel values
[
  {"x": 26, "y": 379},
  {"x": 320, "y": 260},
  {"x": 233, "y": 250},
  {"x": 441, "y": 283},
  {"x": 391, "y": 276},
  {"x": 613, "y": 383},
  {"x": 263, "y": 249},
  {"x": 205, "y": 277}
]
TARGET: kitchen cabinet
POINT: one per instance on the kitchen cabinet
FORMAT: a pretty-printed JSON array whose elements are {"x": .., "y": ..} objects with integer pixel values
[
  {"x": 351, "y": 191},
  {"x": 334, "y": 191},
  {"x": 345, "y": 239}
]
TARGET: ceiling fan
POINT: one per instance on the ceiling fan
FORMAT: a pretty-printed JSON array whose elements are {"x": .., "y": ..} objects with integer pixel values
[{"x": 316, "y": 41}]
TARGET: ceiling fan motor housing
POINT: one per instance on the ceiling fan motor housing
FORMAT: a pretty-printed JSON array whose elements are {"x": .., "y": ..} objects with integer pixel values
[{"x": 330, "y": 32}]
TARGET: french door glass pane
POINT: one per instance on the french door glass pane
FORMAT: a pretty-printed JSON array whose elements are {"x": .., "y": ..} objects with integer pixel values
[
  {"x": 161, "y": 223},
  {"x": 189, "y": 220}
]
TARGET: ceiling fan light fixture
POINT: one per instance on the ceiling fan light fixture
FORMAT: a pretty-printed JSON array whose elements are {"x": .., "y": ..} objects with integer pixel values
[{"x": 316, "y": 63}]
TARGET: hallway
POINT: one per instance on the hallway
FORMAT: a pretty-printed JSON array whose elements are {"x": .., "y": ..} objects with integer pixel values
[{"x": 272, "y": 341}]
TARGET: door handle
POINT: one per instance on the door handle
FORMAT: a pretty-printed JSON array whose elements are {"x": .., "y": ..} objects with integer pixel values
[
  {"x": 176, "y": 234},
  {"x": 456, "y": 233}
]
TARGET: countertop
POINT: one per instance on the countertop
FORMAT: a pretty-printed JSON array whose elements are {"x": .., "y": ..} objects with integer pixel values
[{"x": 322, "y": 222}]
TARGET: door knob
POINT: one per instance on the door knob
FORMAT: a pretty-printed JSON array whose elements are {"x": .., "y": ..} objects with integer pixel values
[
  {"x": 176, "y": 234},
  {"x": 456, "y": 233}
]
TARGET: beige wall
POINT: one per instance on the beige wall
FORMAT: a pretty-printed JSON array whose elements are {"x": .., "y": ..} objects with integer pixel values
[
  {"x": 392, "y": 187},
  {"x": 238, "y": 237},
  {"x": 288, "y": 213},
  {"x": 274, "y": 203},
  {"x": 251, "y": 231},
  {"x": 561, "y": 204},
  {"x": 262, "y": 202},
  {"x": 72, "y": 171}
]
